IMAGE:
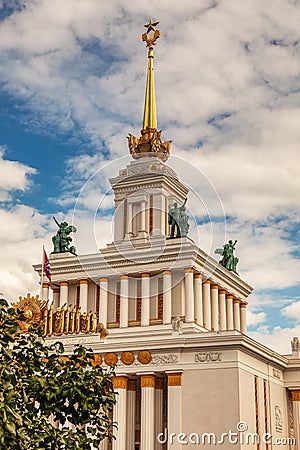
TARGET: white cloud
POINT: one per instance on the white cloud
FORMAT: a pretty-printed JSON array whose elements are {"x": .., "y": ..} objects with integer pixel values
[
  {"x": 292, "y": 311},
  {"x": 276, "y": 338},
  {"x": 255, "y": 318},
  {"x": 14, "y": 176},
  {"x": 23, "y": 231},
  {"x": 227, "y": 79}
]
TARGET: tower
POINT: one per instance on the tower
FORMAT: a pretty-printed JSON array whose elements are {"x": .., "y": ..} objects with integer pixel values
[{"x": 176, "y": 318}]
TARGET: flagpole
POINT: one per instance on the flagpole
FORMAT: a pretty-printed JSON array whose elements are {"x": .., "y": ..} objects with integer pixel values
[{"x": 42, "y": 278}]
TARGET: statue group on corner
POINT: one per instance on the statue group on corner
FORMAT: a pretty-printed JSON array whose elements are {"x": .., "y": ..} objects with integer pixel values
[
  {"x": 229, "y": 260},
  {"x": 179, "y": 220},
  {"x": 61, "y": 241}
]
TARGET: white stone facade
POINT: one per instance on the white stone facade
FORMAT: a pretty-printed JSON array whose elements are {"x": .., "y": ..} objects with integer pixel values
[{"x": 177, "y": 330}]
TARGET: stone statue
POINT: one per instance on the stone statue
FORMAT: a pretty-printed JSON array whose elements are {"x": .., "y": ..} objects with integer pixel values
[
  {"x": 177, "y": 324},
  {"x": 295, "y": 344},
  {"x": 229, "y": 260},
  {"x": 178, "y": 219},
  {"x": 183, "y": 220},
  {"x": 61, "y": 240}
]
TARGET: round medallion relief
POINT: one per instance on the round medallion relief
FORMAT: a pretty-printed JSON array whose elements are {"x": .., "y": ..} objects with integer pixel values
[
  {"x": 110, "y": 359},
  {"x": 144, "y": 357},
  {"x": 97, "y": 361},
  {"x": 127, "y": 358}
]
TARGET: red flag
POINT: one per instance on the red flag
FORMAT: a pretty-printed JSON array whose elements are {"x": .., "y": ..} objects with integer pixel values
[{"x": 47, "y": 267}]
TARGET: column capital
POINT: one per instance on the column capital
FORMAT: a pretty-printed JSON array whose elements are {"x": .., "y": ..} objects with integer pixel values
[
  {"x": 189, "y": 270},
  {"x": 148, "y": 381},
  {"x": 236, "y": 300},
  {"x": 55, "y": 290},
  {"x": 174, "y": 379},
  {"x": 84, "y": 281},
  {"x": 197, "y": 275},
  {"x": 215, "y": 286},
  {"x": 131, "y": 385},
  {"x": 296, "y": 396},
  {"x": 64, "y": 283},
  {"x": 103, "y": 279},
  {"x": 167, "y": 272},
  {"x": 45, "y": 285},
  {"x": 123, "y": 277},
  {"x": 207, "y": 282},
  {"x": 222, "y": 291},
  {"x": 159, "y": 383},
  {"x": 145, "y": 275},
  {"x": 243, "y": 305},
  {"x": 229, "y": 296},
  {"x": 120, "y": 382}
]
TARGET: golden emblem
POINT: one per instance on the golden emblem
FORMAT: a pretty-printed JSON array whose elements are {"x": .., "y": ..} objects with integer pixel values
[
  {"x": 127, "y": 358},
  {"x": 97, "y": 361},
  {"x": 33, "y": 310},
  {"x": 110, "y": 359},
  {"x": 144, "y": 357}
]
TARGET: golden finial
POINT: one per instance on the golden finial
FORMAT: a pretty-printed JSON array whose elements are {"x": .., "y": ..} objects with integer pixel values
[{"x": 150, "y": 142}]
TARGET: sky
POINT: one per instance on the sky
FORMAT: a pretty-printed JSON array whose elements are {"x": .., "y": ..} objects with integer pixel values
[{"x": 72, "y": 82}]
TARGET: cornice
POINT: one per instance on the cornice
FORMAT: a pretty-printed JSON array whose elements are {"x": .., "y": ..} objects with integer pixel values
[{"x": 177, "y": 255}]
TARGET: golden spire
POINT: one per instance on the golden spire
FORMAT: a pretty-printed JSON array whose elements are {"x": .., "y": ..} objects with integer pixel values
[
  {"x": 150, "y": 141},
  {"x": 150, "y": 121}
]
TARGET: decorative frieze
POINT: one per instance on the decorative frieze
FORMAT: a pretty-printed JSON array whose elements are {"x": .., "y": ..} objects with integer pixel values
[
  {"x": 277, "y": 373},
  {"x": 208, "y": 357},
  {"x": 167, "y": 358}
]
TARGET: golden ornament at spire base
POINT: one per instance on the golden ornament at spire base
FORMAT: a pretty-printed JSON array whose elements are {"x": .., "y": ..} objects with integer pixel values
[
  {"x": 65, "y": 320},
  {"x": 150, "y": 142}
]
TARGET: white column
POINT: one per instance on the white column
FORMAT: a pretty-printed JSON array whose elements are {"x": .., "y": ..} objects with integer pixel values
[
  {"x": 236, "y": 315},
  {"x": 55, "y": 298},
  {"x": 145, "y": 312},
  {"x": 83, "y": 295},
  {"x": 142, "y": 225},
  {"x": 63, "y": 293},
  {"x": 222, "y": 309},
  {"x": 206, "y": 304},
  {"x": 103, "y": 300},
  {"x": 104, "y": 444},
  {"x": 131, "y": 396},
  {"x": 229, "y": 312},
  {"x": 147, "y": 412},
  {"x": 159, "y": 214},
  {"x": 214, "y": 307},
  {"x": 119, "y": 414},
  {"x": 243, "y": 315},
  {"x": 167, "y": 296},
  {"x": 45, "y": 291},
  {"x": 124, "y": 301},
  {"x": 158, "y": 426},
  {"x": 189, "y": 295},
  {"x": 296, "y": 414},
  {"x": 119, "y": 222},
  {"x": 198, "y": 298},
  {"x": 174, "y": 408},
  {"x": 129, "y": 220}
]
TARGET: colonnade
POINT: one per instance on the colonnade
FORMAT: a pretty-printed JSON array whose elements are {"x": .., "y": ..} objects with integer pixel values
[
  {"x": 202, "y": 301},
  {"x": 150, "y": 412}
]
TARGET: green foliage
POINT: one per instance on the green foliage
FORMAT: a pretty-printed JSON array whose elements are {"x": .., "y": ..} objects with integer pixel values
[{"x": 40, "y": 387}]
